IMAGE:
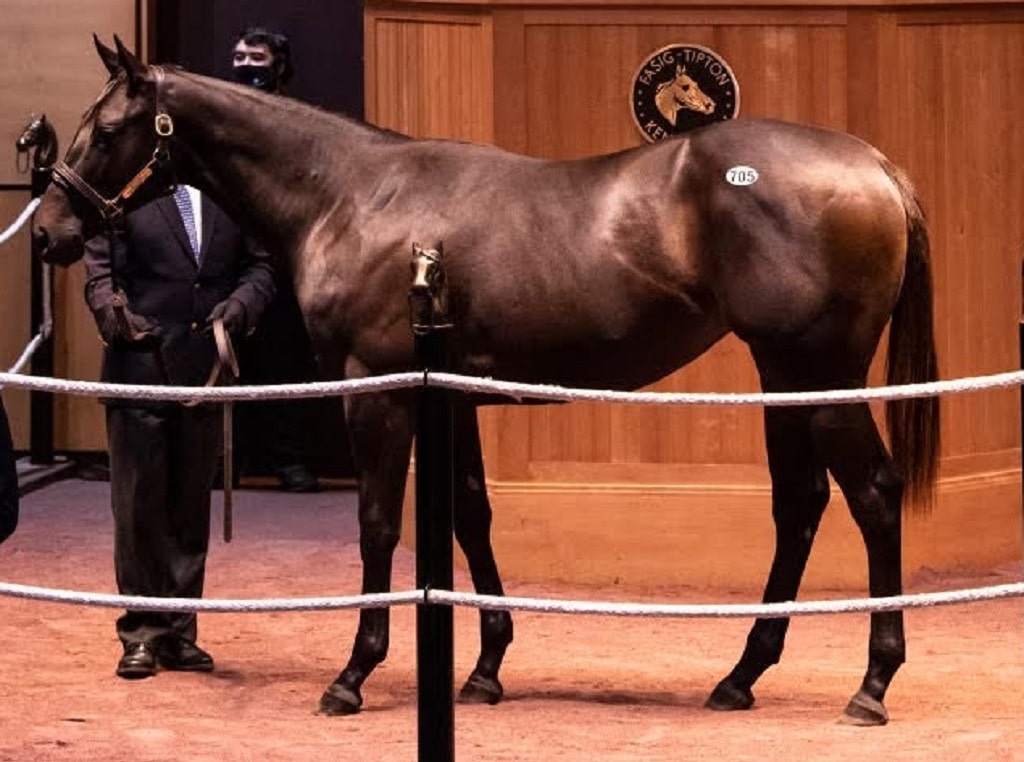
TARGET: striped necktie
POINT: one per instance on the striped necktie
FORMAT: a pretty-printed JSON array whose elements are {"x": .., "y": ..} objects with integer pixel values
[{"x": 184, "y": 203}]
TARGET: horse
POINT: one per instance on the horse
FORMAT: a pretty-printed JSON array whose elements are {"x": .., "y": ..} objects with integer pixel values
[
  {"x": 40, "y": 136},
  {"x": 681, "y": 92},
  {"x": 605, "y": 272}
]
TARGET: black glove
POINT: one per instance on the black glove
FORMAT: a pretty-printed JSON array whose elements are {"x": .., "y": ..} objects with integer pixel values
[
  {"x": 232, "y": 313},
  {"x": 117, "y": 322}
]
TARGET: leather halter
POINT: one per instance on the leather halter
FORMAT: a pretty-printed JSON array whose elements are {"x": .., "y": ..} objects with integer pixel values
[{"x": 110, "y": 209}]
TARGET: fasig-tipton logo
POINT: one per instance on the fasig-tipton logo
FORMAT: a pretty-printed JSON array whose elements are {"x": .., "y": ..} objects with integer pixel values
[{"x": 680, "y": 87}]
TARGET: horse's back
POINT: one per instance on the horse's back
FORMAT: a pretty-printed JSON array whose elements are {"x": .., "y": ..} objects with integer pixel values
[{"x": 615, "y": 270}]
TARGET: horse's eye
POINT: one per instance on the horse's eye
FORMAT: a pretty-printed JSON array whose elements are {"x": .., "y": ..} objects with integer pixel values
[
  {"x": 686, "y": 88},
  {"x": 103, "y": 137}
]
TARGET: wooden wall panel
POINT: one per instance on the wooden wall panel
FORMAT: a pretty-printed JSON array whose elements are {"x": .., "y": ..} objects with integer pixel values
[
  {"x": 48, "y": 63},
  {"x": 430, "y": 79},
  {"x": 53, "y": 67},
  {"x": 961, "y": 137}
]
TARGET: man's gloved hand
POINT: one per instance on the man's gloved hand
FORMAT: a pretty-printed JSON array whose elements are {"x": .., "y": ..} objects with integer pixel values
[
  {"x": 232, "y": 312},
  {"x": 117, "y": 322}
]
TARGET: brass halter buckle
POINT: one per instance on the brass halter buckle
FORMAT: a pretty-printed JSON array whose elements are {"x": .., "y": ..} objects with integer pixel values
[{"x": 163, "y": 124}]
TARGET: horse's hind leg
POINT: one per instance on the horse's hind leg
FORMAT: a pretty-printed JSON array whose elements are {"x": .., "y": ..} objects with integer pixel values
[
  {"x": 846, "y": 440},
  {"x": 800, "y": 493},
  {"x": 473, "y": 532},
  {"x": 849, "y": 442},
  {"x": 380, "y": 429}
]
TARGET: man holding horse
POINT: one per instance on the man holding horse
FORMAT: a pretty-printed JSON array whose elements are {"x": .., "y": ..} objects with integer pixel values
[{"x": 157, "y": 281}]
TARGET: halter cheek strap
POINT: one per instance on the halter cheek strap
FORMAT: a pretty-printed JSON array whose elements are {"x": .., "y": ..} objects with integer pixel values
[{"x": 111, "y": 209}]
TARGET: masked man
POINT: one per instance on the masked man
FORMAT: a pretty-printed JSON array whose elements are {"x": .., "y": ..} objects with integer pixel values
[{"x": 272, "y": 433}]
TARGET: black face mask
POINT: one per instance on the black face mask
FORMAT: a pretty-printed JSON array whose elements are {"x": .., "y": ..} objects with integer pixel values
[{"x": 261, "y": 77}]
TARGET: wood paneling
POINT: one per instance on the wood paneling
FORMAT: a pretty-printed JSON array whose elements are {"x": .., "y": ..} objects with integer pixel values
[
  {"x": 961, "y": 136},
  {"x": 48, "y": 64},
  {"x": 426, "y": 78}
]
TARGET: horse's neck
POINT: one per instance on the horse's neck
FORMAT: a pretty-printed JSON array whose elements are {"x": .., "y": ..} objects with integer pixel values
[{"x": 255, "y": 157}]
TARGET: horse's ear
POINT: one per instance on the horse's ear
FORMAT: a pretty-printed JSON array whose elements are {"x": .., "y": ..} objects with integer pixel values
[
  {"x": 108, "y": 56},
  {"x": 135, "y": 69}
]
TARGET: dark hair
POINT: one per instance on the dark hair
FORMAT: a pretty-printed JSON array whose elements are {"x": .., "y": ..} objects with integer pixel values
[{"x": 278, "y": 43}]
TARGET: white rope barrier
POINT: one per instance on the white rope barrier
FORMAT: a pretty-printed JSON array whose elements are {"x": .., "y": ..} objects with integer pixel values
[
  {"x": 513, "y": 390},
  {"x": 26, "y": 355},
  {"x": 728, "y": 610},
  {"x": 46, "y": 329},
  {"x": 516, "y": 391},
  {"x": 213, "y": 393},
  {"x": 554, "y": 393},
  {"x": 138, "y": 602},
  {"x": 503, "y": 603},
  {"x": 22, "y": 218}
]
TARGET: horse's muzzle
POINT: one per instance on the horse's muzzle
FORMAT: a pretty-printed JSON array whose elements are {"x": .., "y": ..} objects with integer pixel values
[{"x": 57, "y": 251}]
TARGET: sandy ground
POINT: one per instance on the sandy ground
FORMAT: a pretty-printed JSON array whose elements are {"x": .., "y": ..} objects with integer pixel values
[{"x": 577, "y": 687}]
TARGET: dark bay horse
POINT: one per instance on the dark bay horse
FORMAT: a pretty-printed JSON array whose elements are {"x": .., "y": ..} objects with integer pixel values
[{"x": 608, "y": 272}]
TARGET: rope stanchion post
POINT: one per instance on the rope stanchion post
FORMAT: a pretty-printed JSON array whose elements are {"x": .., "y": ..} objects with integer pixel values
[
  {"x": 40, "y": 403},
  {"x": 434, "y": 523}
]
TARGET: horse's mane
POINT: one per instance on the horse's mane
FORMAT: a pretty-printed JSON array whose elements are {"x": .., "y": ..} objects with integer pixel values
[{"x": 314, "y": 119}]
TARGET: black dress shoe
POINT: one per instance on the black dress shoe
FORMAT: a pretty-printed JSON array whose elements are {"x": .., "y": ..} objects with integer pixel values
[
  {"x": 297, "y": 478},
  {"x": 183, "y": 656},
  {"x": 138, "y": 661}
]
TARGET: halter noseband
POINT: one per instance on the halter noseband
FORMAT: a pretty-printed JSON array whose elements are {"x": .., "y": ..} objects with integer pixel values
[{"x": 113, "y": 208}]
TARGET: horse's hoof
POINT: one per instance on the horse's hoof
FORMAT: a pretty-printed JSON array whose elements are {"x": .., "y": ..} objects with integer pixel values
[
  {"x": 338, "y": 699},
  {"x": 481, "y": 690},
  {"x": 726, "y": 697},
  {"x": 864, "y": 711}
]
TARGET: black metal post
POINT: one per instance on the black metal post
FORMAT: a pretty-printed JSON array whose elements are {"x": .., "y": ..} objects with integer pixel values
[
  {"x": 40, "y": 403},
  {"x": 434, "y": 500}
]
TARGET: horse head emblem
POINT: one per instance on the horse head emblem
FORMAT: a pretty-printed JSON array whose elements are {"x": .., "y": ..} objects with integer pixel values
[
  {"x": 40, "y": 139},
  {"x": 428, "y": 295},
  {"x": 680, "y": 92}
]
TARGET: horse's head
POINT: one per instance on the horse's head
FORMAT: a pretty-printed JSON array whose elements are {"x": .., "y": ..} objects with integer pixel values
[
  {"x": 682, "y": 91},
  {"x": 117, "y": 161}
]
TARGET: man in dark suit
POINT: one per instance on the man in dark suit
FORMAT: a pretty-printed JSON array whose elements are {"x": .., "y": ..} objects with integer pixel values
[{"x": 155, "y": 286}]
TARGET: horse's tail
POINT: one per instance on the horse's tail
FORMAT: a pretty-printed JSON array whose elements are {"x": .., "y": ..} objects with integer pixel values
[{"x": 913, "y": 423}]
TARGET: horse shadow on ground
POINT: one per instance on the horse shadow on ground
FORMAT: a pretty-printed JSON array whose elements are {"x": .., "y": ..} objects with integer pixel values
[{"x": 639, "y": 698}]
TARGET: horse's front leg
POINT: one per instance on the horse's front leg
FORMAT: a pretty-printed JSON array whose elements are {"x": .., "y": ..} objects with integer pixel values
[
  {"x": 473, "y": 532},
  {"x": 380, "y": 430}
]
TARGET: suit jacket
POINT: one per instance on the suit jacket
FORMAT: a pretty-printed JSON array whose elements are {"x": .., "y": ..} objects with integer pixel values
[{"x": 150, "y": 260}]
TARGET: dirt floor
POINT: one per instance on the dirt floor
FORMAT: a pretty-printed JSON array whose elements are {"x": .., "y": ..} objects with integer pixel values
[{"x": 577, "y": 688}]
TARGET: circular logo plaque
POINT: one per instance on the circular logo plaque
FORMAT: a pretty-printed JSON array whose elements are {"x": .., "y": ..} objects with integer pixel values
[{"x": 679, "y": 87}]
